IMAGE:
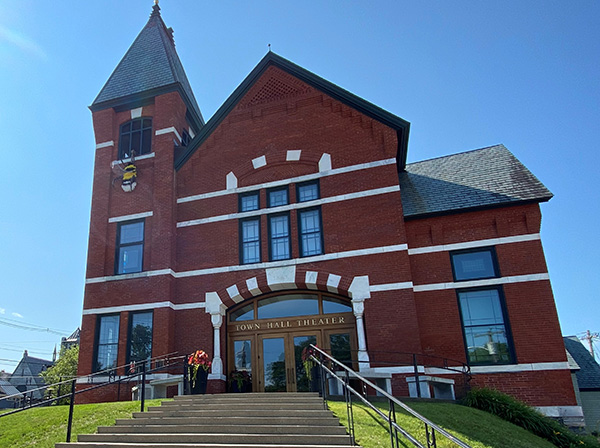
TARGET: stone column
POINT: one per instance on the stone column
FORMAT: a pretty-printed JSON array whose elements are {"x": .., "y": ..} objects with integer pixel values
[
  {"x": 216, "y": 309},
  {"x": 360, "y": 290}
]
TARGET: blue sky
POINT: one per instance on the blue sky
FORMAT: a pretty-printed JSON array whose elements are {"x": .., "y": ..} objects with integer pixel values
[{"x": 465, "y": 74}]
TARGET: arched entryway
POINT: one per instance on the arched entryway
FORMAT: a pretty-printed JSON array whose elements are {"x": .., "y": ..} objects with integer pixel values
[{"x": 267, "y": 334}]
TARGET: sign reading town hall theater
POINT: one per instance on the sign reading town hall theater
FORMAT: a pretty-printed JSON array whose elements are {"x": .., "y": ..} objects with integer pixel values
[{"x": 299, "y": 322}]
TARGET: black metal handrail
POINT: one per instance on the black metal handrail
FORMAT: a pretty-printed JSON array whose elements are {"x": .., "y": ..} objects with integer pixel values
[
  {"x": 431, "y": 429},
  {"x": 137, "y": 370}
]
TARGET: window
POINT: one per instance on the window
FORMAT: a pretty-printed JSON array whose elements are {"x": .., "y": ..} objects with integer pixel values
[
  {"x": 136, "y": 135},
  {"x": 130, "y": 247},
  {"x": 249, "y": 202},
  {"x": 309, "y": 220},
  {"x": 471, "y": 265},
  {"x": 277, "y": 197},
  {"x": 279, "y": 237},
  {"x": 484, "y": 326},
  {"x": 185, "y": 138},
  {"x": 107, "y": 343},
  {"x": 309, "y": 224},
  {"x": 250, "y": 236},
  {"x": 140, "y": 336}
]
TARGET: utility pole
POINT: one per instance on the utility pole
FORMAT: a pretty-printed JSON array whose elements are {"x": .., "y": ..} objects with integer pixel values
[{"x": 590, "y": 337}]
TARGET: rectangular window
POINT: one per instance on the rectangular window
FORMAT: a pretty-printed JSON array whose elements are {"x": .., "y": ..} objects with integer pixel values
[
  {"x": 250, "y": 240},
  {"x": 308, "y": 191},
  {"x": 474, "y": 264},
  {"x": 130, "y": 247},
  {"x": 484, "y": 326},
  {"x": 311, "y": 242},
  {"x": 249, "y": 202},
  {"x": 140, "y": 336},
  {"x": 277, "y": 197},
  {"x": 107, "y": 343},
  {"x": 279, "y": 237}
]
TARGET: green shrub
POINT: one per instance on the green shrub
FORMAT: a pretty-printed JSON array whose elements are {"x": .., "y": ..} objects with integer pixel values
[{"x": 518, "y": 413}]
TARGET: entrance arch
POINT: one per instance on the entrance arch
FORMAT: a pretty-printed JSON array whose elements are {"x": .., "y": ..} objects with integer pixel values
[{"x": 267, "y": 335}]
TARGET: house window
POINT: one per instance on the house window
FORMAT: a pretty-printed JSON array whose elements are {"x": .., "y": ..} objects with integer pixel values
[
  {"x": 185, "y": 138},
  {"x": 107, "y": 343},
  {"x": 474, "y": 264},
  {"x": 308, "y": 191},
  {"x": 311, "y": 242},
  {"x": 136, "y": 135},
  {"x": 130, "y": 247},
  {"x": 277, "y": 197},
  {"x": 250, "y": 236},
  {"x": 140, "y": 336},
  {"x": 485, "y": 330},
  {"x": 249, "y": 202},
  {"x": 279, "y": 237}
]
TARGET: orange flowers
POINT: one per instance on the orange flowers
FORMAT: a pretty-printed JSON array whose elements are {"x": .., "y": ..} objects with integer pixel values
[{"x": 199, "y": 359}]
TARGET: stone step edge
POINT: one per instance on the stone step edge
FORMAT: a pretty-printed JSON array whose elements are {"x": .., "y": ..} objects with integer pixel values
[{"x": 191, "y": 445}]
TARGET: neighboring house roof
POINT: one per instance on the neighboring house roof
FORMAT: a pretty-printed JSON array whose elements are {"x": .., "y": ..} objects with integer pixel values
[
  {"x": 27, "y": 373},
  {"x": 588, "y": 375},
  {"x": 271, "y": 59},
  {"x": 150, "y": 67},
  {"x": 483, "y": 178},
  {"x": 8, "y": 389}
]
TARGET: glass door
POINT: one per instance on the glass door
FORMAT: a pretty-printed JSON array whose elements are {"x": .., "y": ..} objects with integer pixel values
[{"x": 302, "y": 370}]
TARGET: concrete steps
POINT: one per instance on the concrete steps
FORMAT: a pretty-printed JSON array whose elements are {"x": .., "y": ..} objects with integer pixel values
[{"x": 282, "y": 420}]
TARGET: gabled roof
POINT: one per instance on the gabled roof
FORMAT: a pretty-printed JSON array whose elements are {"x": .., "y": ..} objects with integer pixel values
[
  {"x": 149, "y": 68},
  {"x": 588, "y": 375},
  {"x": 271, "y": 59},
  {"x": 483, "y": 178}
]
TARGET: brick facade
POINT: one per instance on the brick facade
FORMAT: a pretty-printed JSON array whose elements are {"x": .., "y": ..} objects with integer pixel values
[{"x": 192, "y": 238}]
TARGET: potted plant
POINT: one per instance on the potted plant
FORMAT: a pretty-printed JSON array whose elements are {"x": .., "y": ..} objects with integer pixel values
[
  {"x": 240, "y": 381},
  {"x": 198, "y": 365},
  {"x": 310, "y": 368}
]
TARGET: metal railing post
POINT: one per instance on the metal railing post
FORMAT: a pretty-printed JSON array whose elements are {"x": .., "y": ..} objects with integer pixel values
[
  {"x": 417, "y": 382},
  {"x": 143, "y": 393},
  {"x": 71, "y": 406}
]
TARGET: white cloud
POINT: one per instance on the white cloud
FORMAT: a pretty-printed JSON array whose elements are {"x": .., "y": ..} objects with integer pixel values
[
  {"x": 2, "y": 311},
  {"x": 21, "y": 41},
  {"x": 17, "y": 315}
]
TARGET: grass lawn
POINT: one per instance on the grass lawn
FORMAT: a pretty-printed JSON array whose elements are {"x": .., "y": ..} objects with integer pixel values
[
  {"x": 43, "y": 427},
  {"x": 474, "y": 427}
]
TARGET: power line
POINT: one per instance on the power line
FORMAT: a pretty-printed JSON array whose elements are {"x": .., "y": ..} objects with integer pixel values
[{"x": 31, "y": 327}]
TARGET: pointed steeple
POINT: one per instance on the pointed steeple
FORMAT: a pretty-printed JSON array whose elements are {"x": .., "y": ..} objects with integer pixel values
[{"x": 150, "y": 67}]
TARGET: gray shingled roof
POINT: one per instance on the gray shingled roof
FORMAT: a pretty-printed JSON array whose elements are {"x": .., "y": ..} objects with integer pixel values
[
  {"x": 150, "y": 63},
  {"x": 588, "y": 375},
  {"x": 481, "y": 178}
]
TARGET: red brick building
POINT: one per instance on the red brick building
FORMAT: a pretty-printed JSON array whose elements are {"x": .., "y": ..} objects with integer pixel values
[{"x": 292, "y": 217}]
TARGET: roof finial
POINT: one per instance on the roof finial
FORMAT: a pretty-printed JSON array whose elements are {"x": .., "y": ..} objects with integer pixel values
[
  {"x": 269, "y": 45},
  {"x": 155, "y": 9}
]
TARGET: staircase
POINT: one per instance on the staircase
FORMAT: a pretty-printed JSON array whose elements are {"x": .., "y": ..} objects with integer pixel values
[{"x": 286, "y": 420}]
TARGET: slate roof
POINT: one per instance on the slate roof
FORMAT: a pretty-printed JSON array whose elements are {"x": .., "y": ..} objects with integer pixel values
[
  {"x": 8, "y": 389},
  {"x": 150, "y": 67},
  {"x": 588, "y": 375},
  {"x": 482, "y": 178}
]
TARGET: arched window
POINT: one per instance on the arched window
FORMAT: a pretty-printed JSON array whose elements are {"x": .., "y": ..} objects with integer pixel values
[{"x": 136, "y": 135}]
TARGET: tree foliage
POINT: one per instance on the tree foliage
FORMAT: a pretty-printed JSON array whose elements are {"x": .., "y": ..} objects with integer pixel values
[{"x": 64, "y": 369}]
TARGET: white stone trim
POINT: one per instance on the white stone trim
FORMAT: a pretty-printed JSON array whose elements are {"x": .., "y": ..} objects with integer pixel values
[
  {"x": 259, "y": 162},
  {"x": 249, "y": 267},
  {"x": 508, "y": 368},
  {"x": 561, "y": 411},
  {"x": 130, "y": 217},
  {"x": 144, "y": 306},
  {"x": 293, "y": 155},
  {"x": 252, "y": 285},
  {"x": 128, "y": 159},
  {"x": 359, "y": 288},
  {"x": 391, "y": 286},
  {"x": 282, "y": 278},
  {"x": 472, "y": 244},
  {"x": 325, "y": 162},
  {"x": 333, "y": 281},
  {"x": 191, "y": 132},
  {"x": 142, "y": 274},
  {"x": 310, "y": 279},
  {"x": 136, "y": 113},
  {"x": 295, "y": 206},
  {"x": 234, "y": 294},
  {"x": 167, "y": 131},
  {"x": 105, "y": 144},
  {"x": 278, "y": 183},
  {"x": 231, "y": 181},
  {"x": 486, "y": 282}
]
